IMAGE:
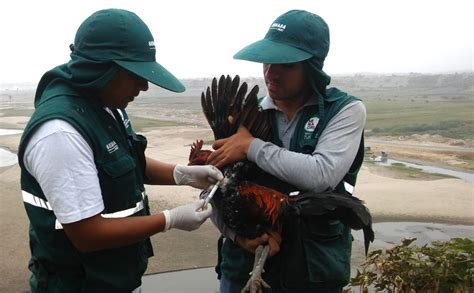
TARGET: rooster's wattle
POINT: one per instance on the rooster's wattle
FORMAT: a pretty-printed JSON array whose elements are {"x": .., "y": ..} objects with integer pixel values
[{"x": 250, "y": 201}]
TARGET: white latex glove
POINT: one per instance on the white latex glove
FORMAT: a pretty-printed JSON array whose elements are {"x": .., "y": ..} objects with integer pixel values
[
  {"x": 197, "y": 176},
  {"x": 187, "y": 217}
]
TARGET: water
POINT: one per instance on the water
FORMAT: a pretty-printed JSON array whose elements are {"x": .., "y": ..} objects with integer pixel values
[
  {"x": 10, "y": 131},
  {"x": 386, "y": 235},
  {"x": 466, "y": 176},
  {"x": 197, "y": 280},
  {"x": 8, "y": 158}
]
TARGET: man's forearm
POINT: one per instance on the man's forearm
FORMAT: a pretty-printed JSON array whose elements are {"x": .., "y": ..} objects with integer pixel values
[
  {"x": 97, "y": 233},
  {"x": 159, "y": 172}
]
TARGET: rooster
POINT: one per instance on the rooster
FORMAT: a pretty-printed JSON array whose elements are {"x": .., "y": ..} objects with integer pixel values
[{"x": 248, "y": 198}]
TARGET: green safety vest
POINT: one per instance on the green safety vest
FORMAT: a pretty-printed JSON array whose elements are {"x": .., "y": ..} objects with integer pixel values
[
  {"x": 56, "y": 264},
  {"x": 319, "y": 256}
]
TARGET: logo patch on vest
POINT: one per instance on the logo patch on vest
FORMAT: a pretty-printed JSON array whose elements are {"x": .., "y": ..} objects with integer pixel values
[
  {"x": 310, "y": 126},
  {"x": 112, "y": 146}
]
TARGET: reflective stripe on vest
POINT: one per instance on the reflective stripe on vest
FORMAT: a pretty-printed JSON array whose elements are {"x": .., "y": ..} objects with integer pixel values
[
  {"x": 41, "y": 203},
  {"x": 127, "y": 212},
  {"x": 36, "y": 201},
  {"x": 349, "y": 188}
]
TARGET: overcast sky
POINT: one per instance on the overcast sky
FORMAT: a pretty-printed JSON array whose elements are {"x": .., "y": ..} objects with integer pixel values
[{"x": 197, "y": 38}]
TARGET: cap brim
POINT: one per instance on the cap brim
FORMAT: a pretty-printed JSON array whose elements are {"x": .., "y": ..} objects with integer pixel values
[
  {"x": 271, "y": 52},
  {"x": 154, "y": 73}
]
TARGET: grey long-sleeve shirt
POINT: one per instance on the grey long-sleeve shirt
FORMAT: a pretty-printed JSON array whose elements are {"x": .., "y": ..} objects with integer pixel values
[
  {"x": 329, "y": 162},
  {"x": 320, "y": 171}
]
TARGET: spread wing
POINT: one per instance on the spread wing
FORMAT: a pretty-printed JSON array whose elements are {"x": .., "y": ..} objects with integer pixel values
[{"x": 227, "y": 98}]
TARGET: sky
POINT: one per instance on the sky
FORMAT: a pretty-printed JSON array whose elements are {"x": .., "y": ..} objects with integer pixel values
[{"x": 197, "y": 38}]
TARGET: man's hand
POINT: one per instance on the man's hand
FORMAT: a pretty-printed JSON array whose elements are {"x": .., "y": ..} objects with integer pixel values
[
  {"x": 231, "y": 149},
  {"x": 197, "y": 176},
  {"x": 187, "y": 217},
  {"x": 273, "y": 239}
]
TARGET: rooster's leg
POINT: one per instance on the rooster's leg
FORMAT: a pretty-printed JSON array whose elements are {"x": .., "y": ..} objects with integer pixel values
[{"x": 256, "y": 282}]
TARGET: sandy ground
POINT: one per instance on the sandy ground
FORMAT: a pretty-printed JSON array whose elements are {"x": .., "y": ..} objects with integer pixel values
[{"x": 389, "y": 199}]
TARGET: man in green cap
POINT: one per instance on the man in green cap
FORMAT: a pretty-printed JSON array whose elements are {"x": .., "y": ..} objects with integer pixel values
[
  {"x": 319, "y": 147},
  {"x": 83, "y": 168}
]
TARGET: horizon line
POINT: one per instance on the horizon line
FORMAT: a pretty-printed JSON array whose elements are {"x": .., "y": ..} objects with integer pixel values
[{"x": 448, "y": 72}]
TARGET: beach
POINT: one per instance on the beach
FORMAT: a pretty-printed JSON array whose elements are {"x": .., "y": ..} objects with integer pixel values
[{"x": 389, "y": 199}]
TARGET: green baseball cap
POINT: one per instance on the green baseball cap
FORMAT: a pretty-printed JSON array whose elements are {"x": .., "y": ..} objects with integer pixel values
[
  {"x": 121, "y": 37},
  {"x": 294, "y": 36}
]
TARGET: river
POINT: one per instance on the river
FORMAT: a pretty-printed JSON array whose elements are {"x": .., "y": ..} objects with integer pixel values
[
  {"x": 466, "y": 176},
  {"x": 387, "y": 235},
  {"x": 8, "y": 158}
]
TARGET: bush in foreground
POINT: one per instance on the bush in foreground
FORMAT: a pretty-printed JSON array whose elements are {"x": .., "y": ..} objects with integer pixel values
[{"x": 439, "y": 267}]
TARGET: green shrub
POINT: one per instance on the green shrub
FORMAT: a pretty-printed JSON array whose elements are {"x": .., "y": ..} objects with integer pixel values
[{"x": 440, "y": 267}]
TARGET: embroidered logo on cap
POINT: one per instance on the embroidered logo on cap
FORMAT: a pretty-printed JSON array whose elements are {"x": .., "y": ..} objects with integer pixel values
[
  {"x": 151, "y": 44},
  {"x": 278, "y": 26}
]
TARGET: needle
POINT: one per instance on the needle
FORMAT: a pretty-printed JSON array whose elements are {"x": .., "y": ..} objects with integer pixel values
[{"x": 209, "y": 197}]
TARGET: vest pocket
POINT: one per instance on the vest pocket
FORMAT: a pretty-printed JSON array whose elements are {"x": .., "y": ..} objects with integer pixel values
[
  {"x": 315, "y": 254},
  {"x": 119, "y": 167},
  {"x": 327, "y": 250},
  {"x": 139, "y": 145},
  {"x": 118, "y": 182}
]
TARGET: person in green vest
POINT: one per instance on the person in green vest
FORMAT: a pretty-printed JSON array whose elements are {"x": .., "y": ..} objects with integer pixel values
[
  {"x": 317, "y": 146},
  {"x": 84, "y": 168}
]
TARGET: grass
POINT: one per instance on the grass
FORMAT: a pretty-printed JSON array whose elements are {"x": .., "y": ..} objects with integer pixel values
[
  {"x": 469, "y": 159},
  {"x": 394, "y": 117},
  {"x": 14, "y": 112},
  {"x": 140, "y": 123}
]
